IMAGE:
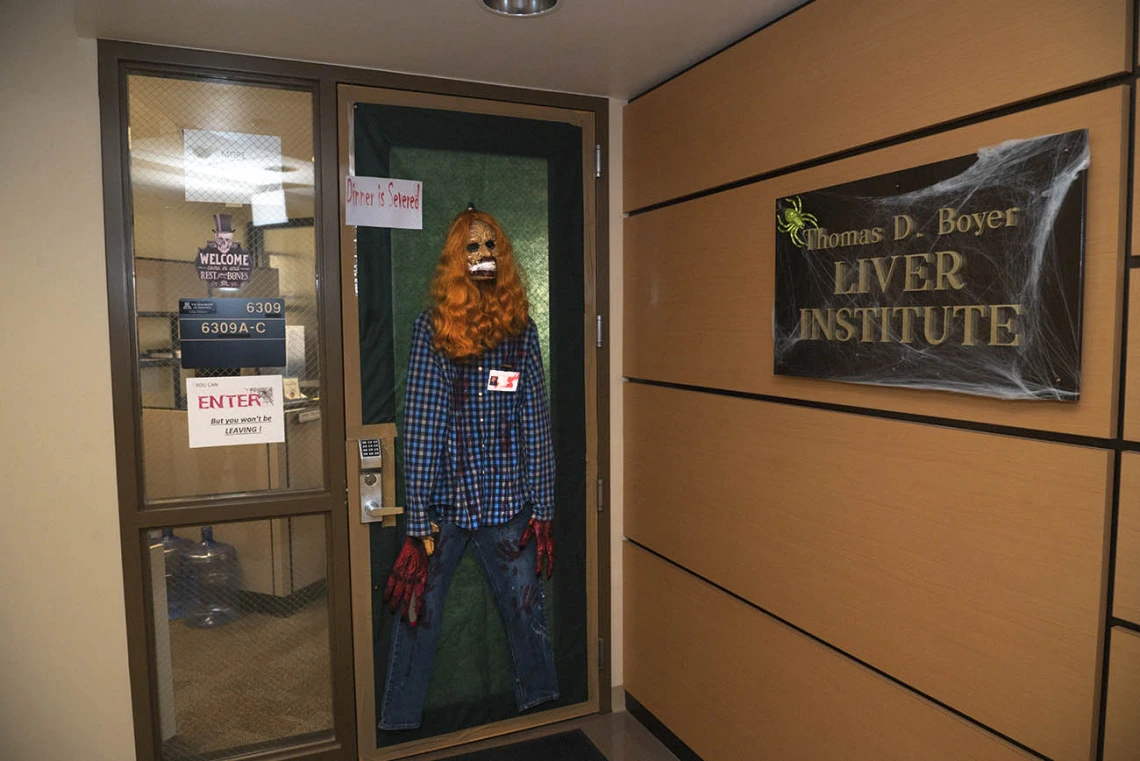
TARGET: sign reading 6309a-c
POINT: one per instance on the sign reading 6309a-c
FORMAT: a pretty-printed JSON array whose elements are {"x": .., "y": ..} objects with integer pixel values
[
  {"x": 234, "y": 328},
  {"x": 232, "y": 333}
]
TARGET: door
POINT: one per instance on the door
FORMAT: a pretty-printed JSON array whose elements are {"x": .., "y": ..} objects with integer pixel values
[
  {"x": 525, "y": 165},
  {"x": 228, "y": 415}
]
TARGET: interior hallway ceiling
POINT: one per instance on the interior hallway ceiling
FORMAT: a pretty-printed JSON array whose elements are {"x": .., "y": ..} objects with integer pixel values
[{"x": 615, "y": 48}]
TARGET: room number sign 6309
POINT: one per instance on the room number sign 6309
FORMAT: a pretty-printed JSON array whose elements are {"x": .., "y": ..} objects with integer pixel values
[
  {"x": 232, "y": 332},
  {"x": 263, "y": 307}
]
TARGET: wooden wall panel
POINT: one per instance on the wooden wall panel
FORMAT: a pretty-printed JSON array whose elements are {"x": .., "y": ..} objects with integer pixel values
[
  {"x": 968, "y": 565},
  {"x": 1122, "y": 726},
  {"x": 1132, "y": 372},
  {"x": 1126, "y": 592},
  {"x": 767, "y": 692},
  {"x": 1132, "y": 379},
  {"x": 699, "y": 278},
  {"x": 837, "y": 74}
]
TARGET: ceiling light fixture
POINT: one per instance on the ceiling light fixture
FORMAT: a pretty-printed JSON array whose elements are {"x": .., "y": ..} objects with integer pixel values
[{"x": 521, "y": 8}]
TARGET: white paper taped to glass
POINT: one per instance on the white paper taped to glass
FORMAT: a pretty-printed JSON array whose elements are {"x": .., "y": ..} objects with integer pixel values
[{"x": 383, "y": 202}]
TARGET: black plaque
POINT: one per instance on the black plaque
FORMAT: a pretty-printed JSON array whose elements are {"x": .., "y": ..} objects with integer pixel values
[
  {"x": 964, "y": 275},
  {"x": 230, "y": 333}
]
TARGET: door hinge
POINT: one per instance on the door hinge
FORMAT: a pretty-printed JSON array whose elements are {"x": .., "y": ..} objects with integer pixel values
[
  {"x": 599, "y": 336},
  {"x": 597, "y": 160},
  {"x": 601, "y": 654},
  {"x": 601, "y": 494}
]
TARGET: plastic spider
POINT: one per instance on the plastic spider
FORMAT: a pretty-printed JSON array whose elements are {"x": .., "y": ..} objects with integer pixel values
[{"x": 795, "y": 221}]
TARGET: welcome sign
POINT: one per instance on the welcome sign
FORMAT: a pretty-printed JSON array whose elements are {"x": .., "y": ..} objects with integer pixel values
[{"x": 964, "y": 275}]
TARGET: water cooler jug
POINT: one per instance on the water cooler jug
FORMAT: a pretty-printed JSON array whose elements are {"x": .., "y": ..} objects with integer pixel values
[
  {"x": 179, "y": 584},
  {"x": 214, "y": 567}
]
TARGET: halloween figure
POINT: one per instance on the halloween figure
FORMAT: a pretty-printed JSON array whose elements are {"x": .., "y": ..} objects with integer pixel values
[{"x": 479, "y": 469}]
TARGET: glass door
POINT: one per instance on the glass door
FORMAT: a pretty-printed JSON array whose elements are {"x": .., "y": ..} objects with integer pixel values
[
  {"x": 225, "y": 404},
  {"x": 524, "y": 165}
]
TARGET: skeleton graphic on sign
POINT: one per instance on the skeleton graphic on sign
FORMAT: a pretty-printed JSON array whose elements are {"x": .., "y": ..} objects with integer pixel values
[{"x": 223, "y": 263}]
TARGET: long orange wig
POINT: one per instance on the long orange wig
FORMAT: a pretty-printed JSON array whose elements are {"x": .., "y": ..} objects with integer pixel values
[{"x": 469, "y": 317}]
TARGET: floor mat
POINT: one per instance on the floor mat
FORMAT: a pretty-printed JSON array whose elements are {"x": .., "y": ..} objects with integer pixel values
[{"x": 567, "y": 746}]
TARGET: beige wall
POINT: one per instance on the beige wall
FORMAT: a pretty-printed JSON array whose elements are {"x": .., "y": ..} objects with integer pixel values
[
  {"x": 63, "y": 684},
  {"x": 62, "y": 630}
]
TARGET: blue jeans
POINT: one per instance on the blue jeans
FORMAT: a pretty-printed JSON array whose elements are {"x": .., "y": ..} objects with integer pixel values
[{"x": 521, "y": 601}]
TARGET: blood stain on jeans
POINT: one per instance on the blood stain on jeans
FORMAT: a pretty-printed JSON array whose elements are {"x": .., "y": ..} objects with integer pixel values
[
  {"x": 508, "y": 551},
  {"x": 530, "y": 598}
]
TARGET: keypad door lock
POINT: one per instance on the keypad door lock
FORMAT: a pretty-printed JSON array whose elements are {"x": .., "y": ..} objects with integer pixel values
[{"x": 372, "y": 506}]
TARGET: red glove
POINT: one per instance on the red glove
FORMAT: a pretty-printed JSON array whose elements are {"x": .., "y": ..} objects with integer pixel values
[
  {"x": 543, "y": 532},
  {"x": 409, "y": 576}
]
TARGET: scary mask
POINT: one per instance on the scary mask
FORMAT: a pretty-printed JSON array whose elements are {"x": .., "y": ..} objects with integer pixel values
[{"x": 482, "y": 261}]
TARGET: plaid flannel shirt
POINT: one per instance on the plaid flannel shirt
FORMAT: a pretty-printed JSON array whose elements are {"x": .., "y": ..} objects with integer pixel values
[{"x": 474, "y": 456}]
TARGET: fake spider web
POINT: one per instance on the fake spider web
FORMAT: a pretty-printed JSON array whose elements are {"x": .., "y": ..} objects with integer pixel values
[{"x": 1034, "y": 264}]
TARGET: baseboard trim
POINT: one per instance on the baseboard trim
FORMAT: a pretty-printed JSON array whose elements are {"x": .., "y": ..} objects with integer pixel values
[{"x": 656, "y": 728}]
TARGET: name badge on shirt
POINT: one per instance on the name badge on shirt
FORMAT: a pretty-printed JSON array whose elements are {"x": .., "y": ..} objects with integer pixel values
[{"x": 502, "y": 380}]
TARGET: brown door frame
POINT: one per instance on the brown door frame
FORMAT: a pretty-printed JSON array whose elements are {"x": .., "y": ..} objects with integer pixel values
[{"x": 116, "y": 59}]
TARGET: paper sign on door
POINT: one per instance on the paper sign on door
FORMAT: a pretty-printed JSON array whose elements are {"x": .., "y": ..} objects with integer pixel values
[
  {"x": 383, "y": 202},
  {"x": 245, "y": 409}
]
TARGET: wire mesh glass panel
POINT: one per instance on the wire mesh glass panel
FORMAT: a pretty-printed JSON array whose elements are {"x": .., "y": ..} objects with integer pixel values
[
  {"x": 222, "y": 201},
  {"x": 241, "y": 629}
]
